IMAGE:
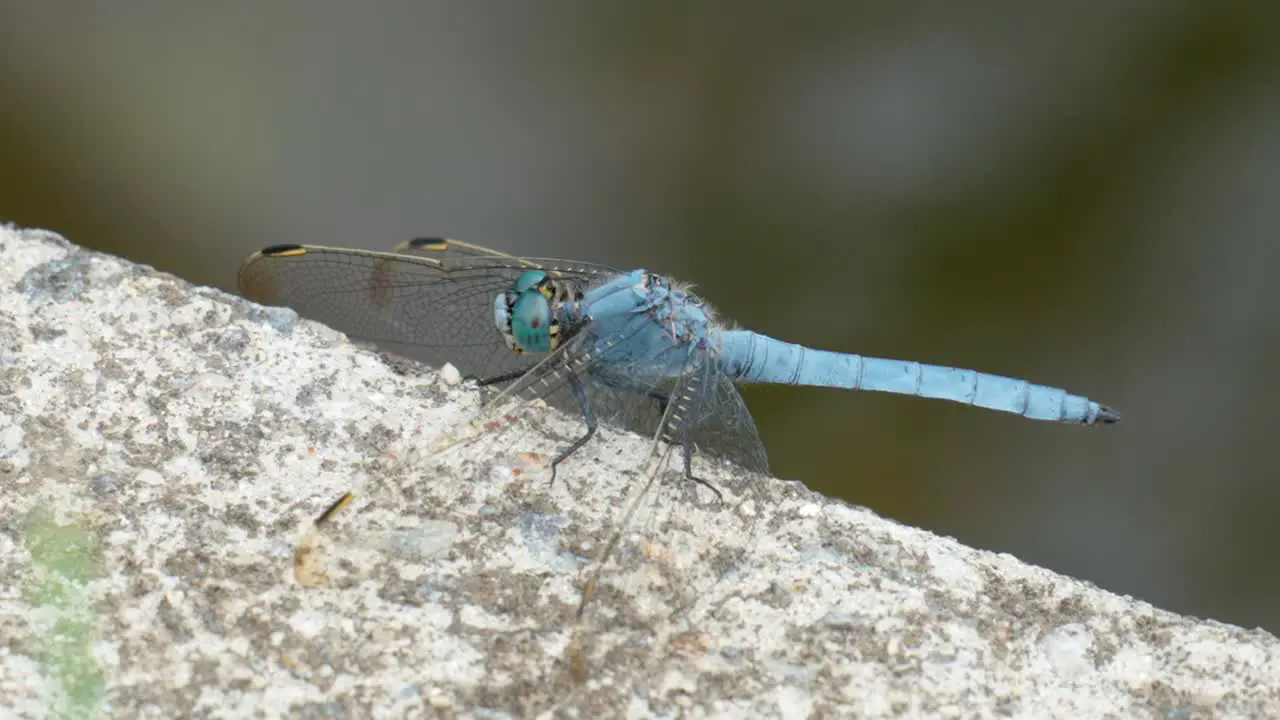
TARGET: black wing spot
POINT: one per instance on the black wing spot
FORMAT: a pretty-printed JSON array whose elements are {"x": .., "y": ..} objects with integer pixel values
[
  {"x": 429, "y": 243},
  {"x": 282, "y": 250}
]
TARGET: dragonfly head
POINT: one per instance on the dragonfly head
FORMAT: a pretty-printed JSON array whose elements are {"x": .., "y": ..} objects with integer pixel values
[{"x": 524, "y": 314}]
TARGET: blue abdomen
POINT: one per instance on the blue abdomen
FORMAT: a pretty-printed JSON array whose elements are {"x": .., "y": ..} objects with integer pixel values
[{"x": 752, "y": 357}]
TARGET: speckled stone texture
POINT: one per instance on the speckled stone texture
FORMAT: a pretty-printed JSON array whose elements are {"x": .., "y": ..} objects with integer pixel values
[{"x": 163, "y": 447}]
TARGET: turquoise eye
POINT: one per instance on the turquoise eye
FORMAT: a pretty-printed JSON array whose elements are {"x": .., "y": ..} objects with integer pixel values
[
  {"x": 527, "y": 279},
  {"x": 531, "y": 321}
]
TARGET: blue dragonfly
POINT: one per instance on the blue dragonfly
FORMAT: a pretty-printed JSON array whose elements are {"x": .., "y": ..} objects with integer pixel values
[{"x": 631, "y": 349}]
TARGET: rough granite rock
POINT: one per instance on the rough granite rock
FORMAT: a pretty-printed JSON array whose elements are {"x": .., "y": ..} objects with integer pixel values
[{"x": 163, "y": 447}]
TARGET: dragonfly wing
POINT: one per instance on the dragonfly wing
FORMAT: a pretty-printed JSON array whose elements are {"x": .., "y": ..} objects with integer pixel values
[
  {"x": 408, "y": 304},
  {"x": 456, "y": 254},
  {"x": 707, "y": 413},
  {"x": 718, "y": 422},
  {"x": 432, "y": 309},
  {"x": 432, "y": 300}
]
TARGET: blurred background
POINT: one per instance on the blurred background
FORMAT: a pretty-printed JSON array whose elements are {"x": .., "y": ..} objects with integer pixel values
[{"x": 1082, "y": 194}]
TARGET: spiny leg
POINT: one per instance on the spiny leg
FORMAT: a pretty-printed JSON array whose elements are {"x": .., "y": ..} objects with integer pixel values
[{"x": 588, "y": 416}]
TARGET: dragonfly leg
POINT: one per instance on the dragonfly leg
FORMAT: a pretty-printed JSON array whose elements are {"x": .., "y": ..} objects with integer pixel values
[
  {"x": 687, "y": 447},
  {"x": 588, "y": 416}
]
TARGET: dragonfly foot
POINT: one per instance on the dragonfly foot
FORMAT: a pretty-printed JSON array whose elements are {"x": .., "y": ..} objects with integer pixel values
[
  {"x": 688, "y": 474},
  {"x": 709, "y": 486}
]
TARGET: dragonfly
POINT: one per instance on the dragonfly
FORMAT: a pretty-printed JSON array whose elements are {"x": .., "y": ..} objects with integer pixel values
[
  {"x": 634, "y": 349},
  {"x": 623, "y": 348}
]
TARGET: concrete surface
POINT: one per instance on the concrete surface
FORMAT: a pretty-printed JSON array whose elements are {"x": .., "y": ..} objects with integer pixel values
[{"x": 163, "y": 447}]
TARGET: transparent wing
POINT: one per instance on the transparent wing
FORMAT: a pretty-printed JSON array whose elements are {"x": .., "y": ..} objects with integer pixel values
[
  {"x": 432, "y": 302},
  {"x": 707, "y": 413},
  {"x": 718, "y": 422}
]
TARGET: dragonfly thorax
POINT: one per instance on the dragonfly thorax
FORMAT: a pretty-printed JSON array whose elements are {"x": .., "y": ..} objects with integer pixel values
[{"x": 525, "y": 314}]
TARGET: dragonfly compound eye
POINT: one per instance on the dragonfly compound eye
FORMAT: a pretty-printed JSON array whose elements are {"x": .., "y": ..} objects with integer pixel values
[
  {"x": 532, "y": 326},
  {"x": 527, "y": 280}
]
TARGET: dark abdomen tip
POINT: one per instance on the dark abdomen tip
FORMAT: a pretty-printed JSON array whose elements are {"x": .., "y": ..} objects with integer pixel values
[{"x": 1106, "y": 416}]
